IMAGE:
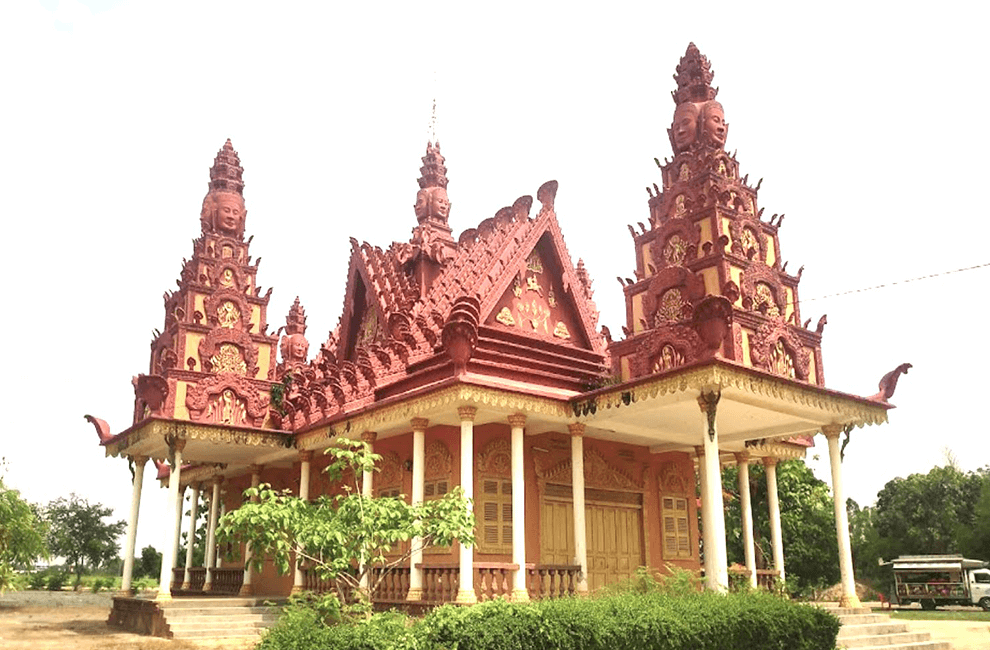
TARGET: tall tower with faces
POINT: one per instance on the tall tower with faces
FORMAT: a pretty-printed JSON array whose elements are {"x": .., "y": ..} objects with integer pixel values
[{"x": 707, "y": 240}]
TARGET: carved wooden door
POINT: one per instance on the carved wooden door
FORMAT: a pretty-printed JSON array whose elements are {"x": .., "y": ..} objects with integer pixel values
[{"x": 614, "y": 530}]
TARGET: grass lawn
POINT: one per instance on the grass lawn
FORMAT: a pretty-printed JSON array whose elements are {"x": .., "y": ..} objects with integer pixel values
[{"x": 949, "y": 615}]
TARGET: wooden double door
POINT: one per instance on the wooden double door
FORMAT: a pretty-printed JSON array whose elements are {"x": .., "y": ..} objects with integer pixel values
[{"x": 614, "y": 531}]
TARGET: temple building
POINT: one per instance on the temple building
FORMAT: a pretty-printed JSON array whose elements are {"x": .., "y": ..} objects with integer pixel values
[{"x": 477, "y": 360}]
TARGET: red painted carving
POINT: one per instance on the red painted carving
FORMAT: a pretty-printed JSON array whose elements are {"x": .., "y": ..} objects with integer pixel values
[
  {"x": 888, "y": 383},
  {"x": 294, "y": 345},
  {"x": 227, "y": 399},
  {"x": 460, "y": 332},
  {"x": 213, "y": 344},
  {"x": 773, "y": 337},
  {"x": 151, "y": 391}
]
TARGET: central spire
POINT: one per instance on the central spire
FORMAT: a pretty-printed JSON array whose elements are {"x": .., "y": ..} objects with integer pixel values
[{"x": 223, "y": 210}]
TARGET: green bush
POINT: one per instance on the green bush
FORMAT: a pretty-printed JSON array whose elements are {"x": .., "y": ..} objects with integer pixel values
[
  {"x": 643, "y": 618},
  {"x": 56, "y": 580}
]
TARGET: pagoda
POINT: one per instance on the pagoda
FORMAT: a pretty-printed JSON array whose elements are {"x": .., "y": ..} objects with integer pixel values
[{"x": 476, "y": 360}]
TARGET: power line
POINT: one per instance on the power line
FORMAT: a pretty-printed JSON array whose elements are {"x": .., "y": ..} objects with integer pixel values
[{"x": 897, "y": 282}]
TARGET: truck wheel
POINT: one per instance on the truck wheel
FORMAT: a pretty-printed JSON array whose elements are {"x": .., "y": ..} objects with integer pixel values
[
  {"x": 928, "y": 604},
  {"x": 985, "y": 603}
]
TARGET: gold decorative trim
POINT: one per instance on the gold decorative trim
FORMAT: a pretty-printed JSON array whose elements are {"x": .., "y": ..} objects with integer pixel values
[
  {"x": 496, "y": 458},
  {"x": 718, "y": 378},
  {"x": 456, "y": 396},
  {"x": 598, "y": 473},
  {"x": 185, "y": 430}
]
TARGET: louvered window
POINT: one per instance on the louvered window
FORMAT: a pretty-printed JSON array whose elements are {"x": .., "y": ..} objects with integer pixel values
[
  {"x": 494, "y": 513},
  {"x": 433, "y": 490},
  {"x": 676, "y": 533}
]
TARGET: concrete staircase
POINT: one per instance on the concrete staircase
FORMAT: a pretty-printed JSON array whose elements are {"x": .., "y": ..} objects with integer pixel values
[
  {"x": 861, "y": 628},
  {"x": 218, "y": 618}
]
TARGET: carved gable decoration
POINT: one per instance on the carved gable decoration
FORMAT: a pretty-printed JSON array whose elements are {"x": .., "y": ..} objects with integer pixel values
[
  {"x": 496, "y": 459},
  {"x": 227, "y": 399},
  {"x": 438, "y": 460},
  {"x": 390, "y": 474},
  {"x": 539, "y": 301},
  {"x": 777, "y": 348},
  {"x": 672, "y": 479},
  {"x": 598, "y": 473},
  {"x": 676, "y": 242},
  {"x": 762, "y": 290},
  {"x": 229, "y": 309},
  {"x": 225, "y": 350}
]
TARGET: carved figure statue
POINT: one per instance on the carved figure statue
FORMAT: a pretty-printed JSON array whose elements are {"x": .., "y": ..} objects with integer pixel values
[
  {"x": 684, "y": 130},
  {"x": 295, "y": 348},
  {"x": 713, "y": 126}
]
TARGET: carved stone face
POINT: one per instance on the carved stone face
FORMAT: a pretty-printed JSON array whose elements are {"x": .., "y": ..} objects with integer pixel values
[
  {"x": 422, "y": 206},
  {"x": 432, "y": 202},
  {"x": 685, "y": 126},
  {"x": 298, "y": 347},
  {"x": 713, "y": 124},
  {"x": 439, "y": 203},
  {"x": 229, "y": 214}
]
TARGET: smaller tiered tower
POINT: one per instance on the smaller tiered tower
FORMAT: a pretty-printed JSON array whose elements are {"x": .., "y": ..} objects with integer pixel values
[
  {"x": 709, "y": 280},
  {"x": 213, "y": 361}
]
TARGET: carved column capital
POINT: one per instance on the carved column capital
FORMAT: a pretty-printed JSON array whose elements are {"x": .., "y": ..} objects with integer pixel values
[
  {"x": 177, "y": 445},
  {"x": 770, "y": 461},
  {"x": 708, "y": 402},
  {"x": 742, "y": 457},
  {"x": 255, "y": 469},
  {"x": 306, "y": 456},
  {"x": 832, "y": 430},
  {"x": 217, "y": 480},
  {"x": 517, "y": 420},
  {"x": 576, "y": 428},
  {"x": 467, "y": 413},
  {"x": 419, "y": 424},
  {"x": 139, "y": 460},
  {"x": 369, "y": 436},
  {"x": 699, "y": 451}
]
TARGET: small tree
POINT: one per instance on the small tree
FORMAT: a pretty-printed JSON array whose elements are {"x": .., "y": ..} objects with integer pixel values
[
  {"x": 79, "y": 534},
  {"x": 150, "y": 564},
  {"x": 22, "y": 538},
  {"x": 346, "y": 536}
]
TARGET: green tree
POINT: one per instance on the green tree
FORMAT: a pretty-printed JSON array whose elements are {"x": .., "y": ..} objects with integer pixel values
[
  {"x": 974, "y": 536},
  {"x": 22, "y": 538},
  {"x": 345, "y": 536},
  {"x": 807, "y": 522},
  {"x": 922, "y": 514},
  {"x": 865, "y": 542},
  {"x": 150, "y": 563},
  {"x": 78, "y": 533}
]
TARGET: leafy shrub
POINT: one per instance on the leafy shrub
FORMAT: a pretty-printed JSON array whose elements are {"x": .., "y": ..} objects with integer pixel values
[
  {"x": 37, "y": 580},
  {"x": 56, "y": 580},
  {"x": 644, "y": 617}
]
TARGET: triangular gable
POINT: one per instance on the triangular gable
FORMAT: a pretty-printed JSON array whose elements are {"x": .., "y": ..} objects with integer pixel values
[
  {"x": 537, "y": 292},
  {"x": 361, "y": 316}
]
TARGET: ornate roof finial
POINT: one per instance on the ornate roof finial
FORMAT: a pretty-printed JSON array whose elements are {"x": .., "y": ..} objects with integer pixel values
[
  {"x": 434, "y": 174},
  {"x": 223, "y": 210},
  {"x": 694, "y": 78},
  {"x": 295, "y": 322},
  {"x": 226, "y": 173}
]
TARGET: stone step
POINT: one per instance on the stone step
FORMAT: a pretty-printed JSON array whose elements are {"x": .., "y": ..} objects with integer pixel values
[
  {"x": 253, "y": 619},
  {"x": 218, "y": 633},
  {"x": 872, "y": 629},
  {"x": 921, "y": 645},
  {"x": 862, "y": 619},
  {"x": 897, "y": 639},
  {"x": 221, "y": 611},
  {"x": 199, "y": 603}
]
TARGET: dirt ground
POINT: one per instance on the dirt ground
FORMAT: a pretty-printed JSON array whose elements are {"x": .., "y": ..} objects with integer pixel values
[
  {"x": 963, "y": 635},
  {"x": 42, "y": 620}
]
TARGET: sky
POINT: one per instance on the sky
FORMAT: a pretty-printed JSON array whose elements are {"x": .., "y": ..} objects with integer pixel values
[{"x": 114, "y": 110}]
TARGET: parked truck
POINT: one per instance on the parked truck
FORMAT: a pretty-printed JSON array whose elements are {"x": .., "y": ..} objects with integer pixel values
[{"x": 934, "y": 580}]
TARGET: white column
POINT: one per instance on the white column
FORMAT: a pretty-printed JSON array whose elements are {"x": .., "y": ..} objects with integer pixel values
[
  {"x": 746, "y": 505},
  {"x": 367, "y": 490},
  {"x": 305, "y": 458},
  {"x": 465, "y": 592},
  {"x": 713, "y": 508},
  {"x": 418, "y": 481},
  {"x": 849, "y": 597},
  {"x": 132, "y": 524},
  {"x": 707, "y": 542},
  {"x": 576, "y": 430},
  {"x": 247, "y": 588},
  {"x": 519, "y": 589},
  {"x": 776, "y": 541},
  {"x": 211, "y": 534},
  {"x": 191, "y": 537},
  {"x": 178, "y": 531},
  {"x": 168, "y": 549}
]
